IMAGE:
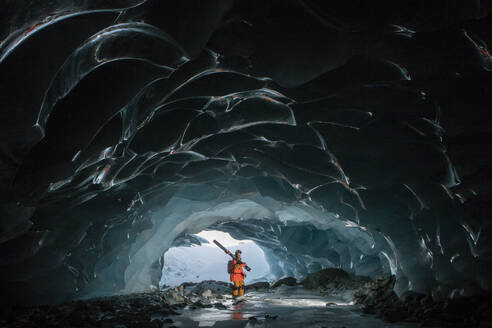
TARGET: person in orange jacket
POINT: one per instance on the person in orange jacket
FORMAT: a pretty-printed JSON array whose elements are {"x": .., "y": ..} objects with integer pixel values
[{"x": 237, "y": 276}]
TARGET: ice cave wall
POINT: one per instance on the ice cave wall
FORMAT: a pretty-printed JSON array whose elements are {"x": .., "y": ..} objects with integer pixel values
[{"x": 327, "y": 135}]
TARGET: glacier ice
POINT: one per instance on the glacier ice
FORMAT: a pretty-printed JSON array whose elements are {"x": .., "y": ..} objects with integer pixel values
[{"x": 329, "y": 142}]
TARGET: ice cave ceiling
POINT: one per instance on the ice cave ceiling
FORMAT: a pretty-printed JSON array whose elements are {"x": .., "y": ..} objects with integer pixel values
[{"x": 351, "y": 134}]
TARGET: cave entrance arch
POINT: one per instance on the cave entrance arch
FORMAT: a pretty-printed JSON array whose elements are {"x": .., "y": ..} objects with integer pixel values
[
  {"x": 194, "y": 258},
  {"x": 297, "y": 239}
]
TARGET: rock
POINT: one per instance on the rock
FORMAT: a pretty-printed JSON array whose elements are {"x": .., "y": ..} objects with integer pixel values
[
  {"x": 220, "y": 306},
  {"x": 375, "y": 292},
  {"x": 258, "y": 285},
  {"x": 178, "y": 306},
  {"x": 324, "y": 277},
  {"x": 131, "y": 310},
  {"x": 289, "y": 281},
  {"x": 157, "y": 323},
  {"x": 331, "y": 304},
  {"x": 379, "y": 298},
  {"x": 412, "y": 297},
  {"x": 200, "y": 304},
  {"x": 426, "y": 301},
  {"x": 271, "y": 317},
  {"x": 216, "y": 287},
  {"x": 77, "y": 317},
  {"x": 40, "y": 319},
  {"x": 174, "y": 297},
  {"x": 207, "y": 293},
  {"x": 395, "y": 314}
]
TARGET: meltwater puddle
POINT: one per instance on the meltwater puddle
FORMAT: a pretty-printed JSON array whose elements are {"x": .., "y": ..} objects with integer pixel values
[{"x": 283, "y": 307}]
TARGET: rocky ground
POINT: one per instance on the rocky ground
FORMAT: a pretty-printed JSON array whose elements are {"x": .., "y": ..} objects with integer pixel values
[
  {"x": 334, "y": 282},
  {"x": 150, "y": 309},
  {"x": 133, "y": 310},
  {"x": 154, "y": 309},
  {"x": 378, "y": 297}
]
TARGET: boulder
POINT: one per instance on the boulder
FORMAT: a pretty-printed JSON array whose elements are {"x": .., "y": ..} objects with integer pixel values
[
  {"x": 200, "y": 304},
  {"x": 395, "y": 314},
  {"x": 289, "y": 281},
  {"x": 220, "y": 306},
  {"x": 129, "y": 310},
  {"x": 412, "y": 298},
  {"x": 207, "y": 293},
  {"x": 324, "y": 277},
  {"x": 173, "y": 297},
  {"x": 216, "y": 287},
  {"x": 258, "y": 285},
  {"x": 375, "y": 293}
]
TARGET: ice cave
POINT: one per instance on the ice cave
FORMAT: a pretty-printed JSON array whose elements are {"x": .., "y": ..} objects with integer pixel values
[{"x": 341, "y": 144}]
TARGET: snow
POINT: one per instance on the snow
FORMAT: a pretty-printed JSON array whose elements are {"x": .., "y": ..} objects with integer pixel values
[{"x": 208, "y": 262}]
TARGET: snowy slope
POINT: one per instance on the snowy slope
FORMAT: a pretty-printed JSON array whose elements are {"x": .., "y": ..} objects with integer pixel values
[{"x": 208, "y": 262}]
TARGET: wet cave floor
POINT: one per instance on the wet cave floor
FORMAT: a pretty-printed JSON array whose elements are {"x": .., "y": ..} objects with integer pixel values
[{"x": 284, "y": 307}]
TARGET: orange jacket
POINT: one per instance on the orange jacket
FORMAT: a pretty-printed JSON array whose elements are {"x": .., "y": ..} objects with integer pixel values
[{"x": 238, "y": 273}]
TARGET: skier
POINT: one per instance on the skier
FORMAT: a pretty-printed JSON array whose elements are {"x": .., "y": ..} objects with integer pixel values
[{"x": 235, "y": 268}]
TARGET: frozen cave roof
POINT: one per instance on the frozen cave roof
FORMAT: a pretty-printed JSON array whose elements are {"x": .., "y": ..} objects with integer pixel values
[{"x": 350, "y": 133}]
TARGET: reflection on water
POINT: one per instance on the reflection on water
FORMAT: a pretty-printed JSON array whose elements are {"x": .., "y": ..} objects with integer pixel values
[
  {"x": 283, "y": 307},
  {"x": 237, "y": 313}
]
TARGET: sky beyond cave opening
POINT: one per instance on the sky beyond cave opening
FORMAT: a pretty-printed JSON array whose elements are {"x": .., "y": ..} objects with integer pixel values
[{"x": 195, "y": 263}]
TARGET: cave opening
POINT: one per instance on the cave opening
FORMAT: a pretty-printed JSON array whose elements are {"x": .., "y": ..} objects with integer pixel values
[{"x": 194, "y": 258}]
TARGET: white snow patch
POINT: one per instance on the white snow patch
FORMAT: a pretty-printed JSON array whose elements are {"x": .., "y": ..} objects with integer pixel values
[{"x": 208, "y": 262}]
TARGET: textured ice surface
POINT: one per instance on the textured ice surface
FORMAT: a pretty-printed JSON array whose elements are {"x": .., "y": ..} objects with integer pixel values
[{"x": 330, "y": 137}]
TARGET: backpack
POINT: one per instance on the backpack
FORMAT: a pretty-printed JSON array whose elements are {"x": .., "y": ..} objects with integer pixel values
[{"x": 230, "y": 267}]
